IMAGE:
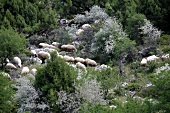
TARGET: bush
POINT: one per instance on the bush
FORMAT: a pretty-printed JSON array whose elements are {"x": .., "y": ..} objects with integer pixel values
[
  {"x": 11, "y": 43},
  {"x": 166, "y": 49},
  {"x": 57, "y": 75},
  {"x": 164, "y": 40},
  {"x": 7, "y": 104}
]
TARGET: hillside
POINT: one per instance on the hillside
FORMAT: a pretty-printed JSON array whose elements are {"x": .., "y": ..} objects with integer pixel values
[{"x": 84, "y": 57}]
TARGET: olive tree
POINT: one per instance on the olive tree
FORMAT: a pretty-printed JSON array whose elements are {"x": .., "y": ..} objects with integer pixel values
[{"x": 11, "y": 43}]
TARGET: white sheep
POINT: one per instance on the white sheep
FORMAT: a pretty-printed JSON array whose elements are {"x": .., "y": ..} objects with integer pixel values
[
  {"x": 78, "y": 59},
  {"x": 68, "y": 58},
  {"x": 69, "y": 48},
  {"x": 43, "y": 45},
  {"x": 60, "y": 56},
  {"x": 79, "y": 32},
  {"x": 5, "y": 74},
  {"x": 17, "y": 61},
  {"x": 144, "y": 61},
  {"x": 33, "y": 71},
  {"x": 80, "y": 65},
  {"x": 33, "y": 53},
  {"x": 55, "y": 44},
  {"x": 42, "y": 55},
  {"x": 90, "y": 62},
  {"x": 86, "y": 26},
  {"x": 166, "y": 56},
  {"x": 25, "y": 70},
  {"x": 151, "y": 58},
  {"x": 10, "y": 66}
]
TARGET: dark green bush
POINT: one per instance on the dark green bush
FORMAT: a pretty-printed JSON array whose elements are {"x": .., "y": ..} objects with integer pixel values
[
  {"x": 132, "y": 87},
  {"x": 166, "y": 49},
  {"x": 57, "y": 75},
  {"x": 7, "y": 104},
  {"x": 164, "y": 40}
]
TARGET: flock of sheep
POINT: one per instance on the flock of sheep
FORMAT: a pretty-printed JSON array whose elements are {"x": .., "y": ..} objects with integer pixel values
[
  {"x": 153, "y": 58},
  {"x": 42, "y": 53}
]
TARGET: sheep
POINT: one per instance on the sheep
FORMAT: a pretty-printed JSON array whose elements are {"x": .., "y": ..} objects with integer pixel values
[
  {"x": 17, "y": 60},
  {"x": 10, "y": 66},
  {"x": 165, "y": 56},
  {"x": 144, "y": 61},
  {"x": 90, "y": 62},
  {"x": 81, "y": 60},
  {"x": 42, "y": 55},
  {"x": 68, "y": 58},
  {"x": 25, "y": 70},
  {"x": 55, "y": 44},
  {"x": 60, "y": 56},
  {"x": 101, "y": 67},
  {"x": 5, "y": 74},
  {"x": 80, "y": 65},
  {"x": 86, "y": 26},
  {"x": 33, "y": 53},
  {"x": 43, "y": 45},
  {"x": 33, "y": 71},
  {"x": 151, "y": 58},
  {"x": 79, "y": 32},
  {"x": 69, "y": 48}
]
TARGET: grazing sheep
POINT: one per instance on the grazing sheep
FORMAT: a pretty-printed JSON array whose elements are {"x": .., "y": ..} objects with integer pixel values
[
  {"x": 55, "y": 44},
  {"x": 10, "y": 66},
  {"x": 80, "y": 65},
  {"x": 42, "y": 55},
  {"x": 33, "y": 71},
  {"x": 25, "y": 70},
  {"x": 90, "y": 62},
  {"x": 60, "y": 56},
  {"x": 151, "y": 58},
  {"x": 86, "y": 26},
  {"x": 43, "y": 45},
  {"x": 78, "y": 59},
  {"x": 5, "y": 74},
  {"x": 69, "y": 48},
  {"x": 112, "y": 106},
  {"x": 33, "y": 53},
  {"x": 101, "y": 67},
  {"x": 144, "y": 61},
  {"x": 17, "y": 60},
  {"x": 165, "y": 56},
  {"x": 79, "y": 32},
  {"x": 68, "y": 58}
]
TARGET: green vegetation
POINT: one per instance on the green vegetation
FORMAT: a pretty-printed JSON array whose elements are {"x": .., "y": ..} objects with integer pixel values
[
  {"x": 12, "y": 44},
  {"x": 121, "y": 33},
  {"x": 54, "y": 77},
  {"x": 7, "y": 104}
]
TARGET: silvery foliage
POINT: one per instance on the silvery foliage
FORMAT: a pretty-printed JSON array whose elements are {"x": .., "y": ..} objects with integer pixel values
[
  {"x": 108, "y": 35},
  {"x": 72, "y": 31},
  {"x": 68, "y": 102},
  {"x": 166, "y": 67},
  {"x": 150, "y": 31},
  {"x": 92, "y": 92},
  {"x": 95, "y": 13},
  {"x": 27, "y": 96}
]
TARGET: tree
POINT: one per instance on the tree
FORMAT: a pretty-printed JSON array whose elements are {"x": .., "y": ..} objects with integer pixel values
[
  {"x": 7, "y": 103},
  {"x": 56, "y": 76},
  {"x": 11, "y": 43}
]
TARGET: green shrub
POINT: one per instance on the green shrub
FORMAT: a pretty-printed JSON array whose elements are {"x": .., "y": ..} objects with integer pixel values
[
  {"x": 57, "y": 75},
  {"x": 166, "y": 49},
  {"x": 7, "y": 104},
  {"x": 164, "y": 40},
  {"x": 132, "y": 87}
]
